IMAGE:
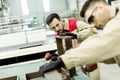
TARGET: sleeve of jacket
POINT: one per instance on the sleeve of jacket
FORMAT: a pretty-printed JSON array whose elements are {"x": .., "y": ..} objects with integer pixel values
[
  {"x": 96, "y": 48},
  {"x": 84, "y": 30}
]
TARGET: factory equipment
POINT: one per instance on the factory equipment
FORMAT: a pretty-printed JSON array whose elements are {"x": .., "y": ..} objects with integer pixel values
[
  {"x": 4, "y": 9},
  {"x": 23, "y": 64},
  {"x": 21, "y": 31}
]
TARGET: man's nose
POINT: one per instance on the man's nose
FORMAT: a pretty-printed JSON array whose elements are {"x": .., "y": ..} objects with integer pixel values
[
  {"x": 56, "y": 28},
  {"x": 93, "y": 24}
]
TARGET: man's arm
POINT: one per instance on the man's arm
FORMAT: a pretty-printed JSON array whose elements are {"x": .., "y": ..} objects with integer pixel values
[
  {"x": 96, "y": 48},
  {"x": 99, "y": 47},
  {"x": 84, "y": 30}
]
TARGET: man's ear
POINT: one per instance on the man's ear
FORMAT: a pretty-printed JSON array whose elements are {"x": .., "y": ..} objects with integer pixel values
[{"x": 62, "y": 21}]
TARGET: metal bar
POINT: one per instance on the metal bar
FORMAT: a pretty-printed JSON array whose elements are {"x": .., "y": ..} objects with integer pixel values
[
  {"x": 61, "y": 50},
  {"x": 63, "y": 43}
]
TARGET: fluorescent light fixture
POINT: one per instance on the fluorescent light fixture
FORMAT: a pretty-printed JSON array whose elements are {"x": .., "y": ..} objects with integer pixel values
[
  {"x": 46, "y": 5},
  {"x": 24, "y": 7}
]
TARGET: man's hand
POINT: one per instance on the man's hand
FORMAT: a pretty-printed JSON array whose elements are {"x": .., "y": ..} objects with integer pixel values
[
  {"x": 48, "y": 56},
  {"x": 52, "y": 57},
  {"x": 74, "y": 36},
  {"x": 52, "y": 65}
]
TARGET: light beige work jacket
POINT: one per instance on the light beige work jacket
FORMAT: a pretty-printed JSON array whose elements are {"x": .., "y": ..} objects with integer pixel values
[
  {"x": 83, "y": 30},
  {"x": 98, "y": 47}
]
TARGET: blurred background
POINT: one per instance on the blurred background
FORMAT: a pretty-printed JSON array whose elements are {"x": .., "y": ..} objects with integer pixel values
[
  {"x": 26, "y": 19},
  {"x": 23, "y": 32}
]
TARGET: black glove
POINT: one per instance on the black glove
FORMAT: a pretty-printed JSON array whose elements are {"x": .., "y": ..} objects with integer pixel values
[
  {"x": 52, "y": 65},
  {"x": 54, "y": 57},
  {"x": 49, "y": 56},
  {"x": 74, "y": 36}
]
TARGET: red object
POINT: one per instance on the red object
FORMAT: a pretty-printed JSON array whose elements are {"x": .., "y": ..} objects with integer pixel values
[
  {"x": 90, "y": 67},
  {"x": 72, "y": 25},
  {"x": 48, "y": 56}
]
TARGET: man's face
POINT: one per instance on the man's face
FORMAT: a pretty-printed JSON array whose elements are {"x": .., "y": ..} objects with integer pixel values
[
  {"x": 57, "y": 25},
  {"x": 97, "y": 15}
]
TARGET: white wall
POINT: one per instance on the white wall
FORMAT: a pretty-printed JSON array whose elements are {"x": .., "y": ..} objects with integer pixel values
[
  {"x": 72, "y": 4},
  {"x": 15, "y": 7},
  {"x": 35, "y": 6},
  {"x": 116, "y": 3},
  {"x": 58, "y": 5},
  {"x": 22, "y": 38}
]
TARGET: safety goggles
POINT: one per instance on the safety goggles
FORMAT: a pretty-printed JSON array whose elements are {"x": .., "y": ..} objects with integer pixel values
[{"x": 90, "y": 19}]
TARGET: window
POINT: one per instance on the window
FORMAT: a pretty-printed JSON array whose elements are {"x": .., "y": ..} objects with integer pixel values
[
  {"x": 24, "y": 7},
  {"x": 46, "y": 5}
]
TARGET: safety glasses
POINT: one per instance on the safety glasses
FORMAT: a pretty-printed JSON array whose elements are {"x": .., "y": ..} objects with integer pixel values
[{"x": 90, "y": 19}]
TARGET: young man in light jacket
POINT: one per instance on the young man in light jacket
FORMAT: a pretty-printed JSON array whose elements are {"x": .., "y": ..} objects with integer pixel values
[
  {"x": 80, "y": 29},
  {"x": 77, "y": 29}
]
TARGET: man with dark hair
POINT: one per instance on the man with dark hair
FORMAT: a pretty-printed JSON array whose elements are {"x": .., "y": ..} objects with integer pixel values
[
  {"x": 96, "y": 48},
  {"x": 80, "y": 29},
  {"x": 51, "y": 17}
]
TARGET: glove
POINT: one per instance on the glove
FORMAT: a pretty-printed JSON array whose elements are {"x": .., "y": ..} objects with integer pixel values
[
  {"x": 54, "y": 57},
  {"x": 52, "y": 65},
  {"x": 49, "y": 56},
  {"x": 90, "y": 67},
  {"x": 74, "y": 36}
]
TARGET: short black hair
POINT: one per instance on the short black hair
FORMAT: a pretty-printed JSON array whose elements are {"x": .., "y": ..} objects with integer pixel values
[
  {"x": 51, "y": 17},
  {"x": 86, "y": 6}
]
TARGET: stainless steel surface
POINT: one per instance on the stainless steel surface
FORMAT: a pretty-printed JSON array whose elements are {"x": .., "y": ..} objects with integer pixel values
[{"x": 21, "y": 69}]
